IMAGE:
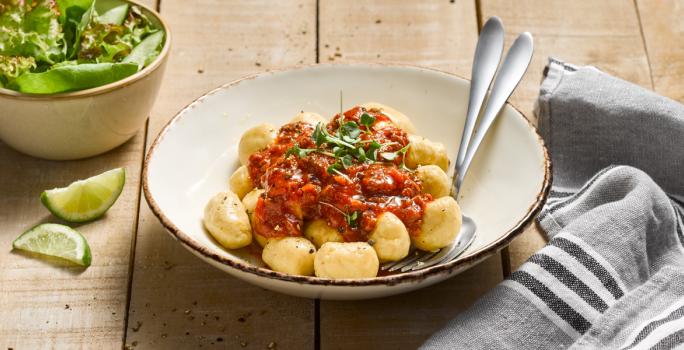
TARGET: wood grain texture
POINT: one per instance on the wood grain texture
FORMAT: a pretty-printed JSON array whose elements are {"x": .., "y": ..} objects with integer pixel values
[
  {"x": 440, "y": 34},
  {"x": 48, "y": 304},
  {"x": 663, "y": 31},
  {"x": 605, "y": 34},
  {"x": 177, "y": 300},
  {"x": 52, "y": 305}
]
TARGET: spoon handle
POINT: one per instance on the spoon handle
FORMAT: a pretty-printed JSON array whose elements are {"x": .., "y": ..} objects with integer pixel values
[
  {"x": 487, "y": 57},
  {"x": 515, "y": 64}
]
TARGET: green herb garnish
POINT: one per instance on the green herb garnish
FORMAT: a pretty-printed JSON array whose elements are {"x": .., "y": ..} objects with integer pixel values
[
  {"x": 352, "y": 219},
  {"x": 334, "y": 168},
  {"x": 299, "y": 152},
  {"x": 321, "y": 136},
  {"x": 350, "y": 132},
  {"x": 389, "y": 155},
  {"x": 347, "y": 146},
  {"x": 346, "y": 161},
  {"x": 367, "y": 120},
  {"x": 393, "y": 155}
]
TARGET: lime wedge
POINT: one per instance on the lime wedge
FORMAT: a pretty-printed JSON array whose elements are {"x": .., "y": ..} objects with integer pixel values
[
  {"x": 55, "y": 240},
  {"x": 85, "y": 200}
]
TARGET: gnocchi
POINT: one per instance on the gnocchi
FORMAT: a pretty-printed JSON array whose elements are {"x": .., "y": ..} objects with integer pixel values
[
  {"x": 250, "y": 202},
  {"x": 399, "y": 119},
  {"x": 346, "y": 260},
  {"x": 308, "y": 117},
  {"x": 240, "y": 182},
  {"x": 226, "y": 220},
  {"x": 335, "y": 199},
  {"x": 319, "y": 232},
  {"x": 425, "y": 152},
  {"x": 389, "y": 238},
  {"x": 293, "y": 255},
  {"x": 441, "y": 224},
  {"x": 255, "y": 139},
  {"x": 434, "y": 180}
]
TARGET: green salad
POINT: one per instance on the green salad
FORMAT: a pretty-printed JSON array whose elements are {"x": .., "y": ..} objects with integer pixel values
[{"x": 53, "y": 46}]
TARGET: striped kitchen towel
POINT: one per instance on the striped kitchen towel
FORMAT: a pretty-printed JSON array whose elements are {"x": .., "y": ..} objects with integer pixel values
[{"x": 612, "y": 274}]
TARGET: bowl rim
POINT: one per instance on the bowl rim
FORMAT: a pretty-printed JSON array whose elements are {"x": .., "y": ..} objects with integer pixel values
[
  {"x": 119, "y": 84},
  {"x": 389, "y": 280}
]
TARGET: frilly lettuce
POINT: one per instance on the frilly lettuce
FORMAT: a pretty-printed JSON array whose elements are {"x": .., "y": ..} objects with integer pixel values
[
  {"x": 12, "y": 67},
  {"x": 41, "y": 36},
  {"x": 110, "y": 38},
  {"x": 31, "y": 29}
]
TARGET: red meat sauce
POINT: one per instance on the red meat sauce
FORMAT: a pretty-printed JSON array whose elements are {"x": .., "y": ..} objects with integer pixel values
[{"x": 301, "y": 189}]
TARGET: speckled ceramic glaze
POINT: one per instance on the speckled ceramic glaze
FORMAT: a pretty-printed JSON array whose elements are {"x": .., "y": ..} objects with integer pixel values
[
  {"x": 82, "y": 123},
  {"x": 196, "y": 152}
]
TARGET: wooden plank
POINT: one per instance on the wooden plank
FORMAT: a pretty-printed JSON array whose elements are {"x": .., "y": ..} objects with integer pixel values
[
  {"x": 50, "y": 305},
  {"x": 437, "y": 34},
  {"x": 177, "y": 300},
  {"x": 440, "y": 34},
  {"x": 605, "y": 34},
  {"x": 46, "y": 306},
  {"x": 663, "y": 31}
]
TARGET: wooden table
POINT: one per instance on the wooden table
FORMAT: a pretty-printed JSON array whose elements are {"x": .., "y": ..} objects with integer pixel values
[{"x": 145, "y": 291}]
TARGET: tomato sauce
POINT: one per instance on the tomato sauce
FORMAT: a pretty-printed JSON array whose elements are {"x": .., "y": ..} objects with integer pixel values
[{"x": 351, "y": 198}]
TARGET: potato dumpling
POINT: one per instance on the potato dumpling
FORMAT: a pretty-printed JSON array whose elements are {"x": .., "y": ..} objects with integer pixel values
[
  {"x": 226, "y": 220},
  {"x": 292, "y": 255},
  {"x": 250, "y": 202},
  {"x": 346, "y": 260},
  {"x": 434, "y": 180},
  {"x": 389, "y": 238},
  {"x": 309, "y": 118},
  {"x": 318, "y": 232},
  {"x": 399, "y": 119},
  {"x": 441, "y": 224},
  {"x": 256, "y": 139},
  {"x": 261, "y": 240},
  {"x": 425, "y": 152},
  {"x": 240, "y": 182}
]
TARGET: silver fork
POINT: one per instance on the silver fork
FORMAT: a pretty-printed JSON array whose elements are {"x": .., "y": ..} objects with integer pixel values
[{"x": 485, "y": 64}]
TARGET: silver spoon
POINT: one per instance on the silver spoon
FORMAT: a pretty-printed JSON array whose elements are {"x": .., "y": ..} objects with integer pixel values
[{"x": 487, "y": 56}]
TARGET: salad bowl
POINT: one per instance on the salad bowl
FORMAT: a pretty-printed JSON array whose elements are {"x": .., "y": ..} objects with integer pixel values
[
  {"x": 84, "y": 123},
  {"x": 507, "y": 185}
]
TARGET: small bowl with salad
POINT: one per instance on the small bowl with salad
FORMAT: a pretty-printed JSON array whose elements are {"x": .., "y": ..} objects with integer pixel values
[{"x": 77, "y": 77}]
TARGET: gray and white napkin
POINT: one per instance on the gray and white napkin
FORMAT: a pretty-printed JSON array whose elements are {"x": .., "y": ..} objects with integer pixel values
[{"x": 612, "y": 274}]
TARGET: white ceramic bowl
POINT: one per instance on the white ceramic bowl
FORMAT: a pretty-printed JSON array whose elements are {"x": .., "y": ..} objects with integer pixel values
[
  {"x": 196, "y": 152},
  {"x": 83, "y": 123}
]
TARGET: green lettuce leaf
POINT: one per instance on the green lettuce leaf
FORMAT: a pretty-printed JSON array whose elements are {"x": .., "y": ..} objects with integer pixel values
[
  {"x": 146, "y": 51},
  {"x": 31, "y": 30},
  {"x": 52, "y": 46},
  {"x": 75, "y": 16},
  {"x": 111, "y": 42},
  {"x": 70, "y": 77},
  {"x": 104, "y": 43},
  {"x": 12, "y": 67},
  {"x": 116, "y": 15},
  {"x": 139, "y": 25}
]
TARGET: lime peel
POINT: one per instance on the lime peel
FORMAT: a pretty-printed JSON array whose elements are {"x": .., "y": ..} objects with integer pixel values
[
  {"x": 55, "y": 240},
  {"x": 85, "y": 200}
]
